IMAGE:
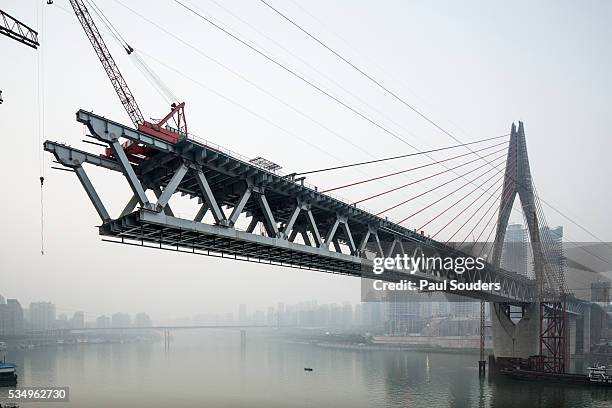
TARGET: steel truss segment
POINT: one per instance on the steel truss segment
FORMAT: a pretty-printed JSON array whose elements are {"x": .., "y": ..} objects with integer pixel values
[
  {"x": 269, "y": 221},
  {"x": 107, "y": 130},
  {"x": 313, "y": 228},
  {"x": 201, "y": 213},
  {"x": 349, "y": 237},
  {"x": 209, "y": 197},
  {"x": 158, "y": 193},
  {"x": 129, "y": 173},
  {"x": 92, "y": 194},
  {"x": 171, "y": 187},
  {"x": 240, "y": 206},
  {"x": 252, "y": 224},
  {"x": 71, "y": 157},
  {"x": 331, "y": 232},
  {"x": 130, "y": 206},
  {"x": 294, "y": 215}
]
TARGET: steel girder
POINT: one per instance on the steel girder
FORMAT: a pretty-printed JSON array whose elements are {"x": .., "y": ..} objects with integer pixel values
[{"x": 336, "y": 235}]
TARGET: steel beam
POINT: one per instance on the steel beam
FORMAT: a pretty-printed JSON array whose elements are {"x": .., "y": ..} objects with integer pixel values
[
  {"x": 331, "y": 232},
  {"x": 240, "y": 206},
  {"x": 209, "y": 197},
  {"x": 201, "y": 212},
  {"x": 129, "y": 173},
  {"x": 269, "y": 221},
  {"x": 172, "y": 186},
  {"x": 291, "y": 221},
  {"x": 313, "y": 228},
  {"x": 92, "y": 194}
]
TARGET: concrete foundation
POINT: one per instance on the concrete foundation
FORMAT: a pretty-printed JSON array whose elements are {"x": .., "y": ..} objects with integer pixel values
[{"x": 516, "y": 340}]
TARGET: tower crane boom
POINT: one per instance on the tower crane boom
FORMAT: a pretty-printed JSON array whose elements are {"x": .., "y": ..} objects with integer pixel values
[{"x": 161, "y": 129}]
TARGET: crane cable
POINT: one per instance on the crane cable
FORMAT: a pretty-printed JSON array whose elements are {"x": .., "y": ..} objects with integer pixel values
[
  {"x": 40, "y": 85},
  {"x": 156, "y": 82}
]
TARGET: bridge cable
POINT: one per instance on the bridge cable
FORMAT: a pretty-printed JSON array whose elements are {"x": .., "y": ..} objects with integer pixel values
[
  {"x": 469, "y": 205},
  {"x": 423, "y": 179},
  {"x": 494, "y": 206},
  {"x": 411, "y": 169},
  {"x": 344, "y": 166},
  {"x": 439, "y": 214},
  {"x": 474, "y": 214},
  {"x": 432, "y": 189},
  {"x": 443, "y": 197}
]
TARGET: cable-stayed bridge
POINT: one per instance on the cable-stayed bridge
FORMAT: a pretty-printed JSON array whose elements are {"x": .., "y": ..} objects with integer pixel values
[
  {"x": 303, "y": 227},
  {"x": 335, "y": 235}
]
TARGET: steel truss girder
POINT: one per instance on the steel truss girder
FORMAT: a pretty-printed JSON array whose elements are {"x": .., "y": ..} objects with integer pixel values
[{"x": 208, "y": 174}]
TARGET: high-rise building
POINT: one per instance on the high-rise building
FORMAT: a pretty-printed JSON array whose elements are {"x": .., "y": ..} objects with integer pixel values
[
  {"x": 280, "y": 314},
  {"x": 142, "y": 320},
  {"x": 469, "y": 309},
  {"x": 259, "y": 317},
  {"x": 515, "y": 252},
  {"x": 78, "y": 320},
  {"x": 347, "y": 314},
  {"x": 11, "y": 318},
  {"x": 42, "y": 315},
  {"x": 2, "y": 300},
  {"x": 121, "y": 320},
  {"x": 270, "y": 317},
  {"x": 103, "y": 322},
  {"x": 242, "y": 313}
]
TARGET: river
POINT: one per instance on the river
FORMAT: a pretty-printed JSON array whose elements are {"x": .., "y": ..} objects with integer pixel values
[{"x": 213, "y": 369}]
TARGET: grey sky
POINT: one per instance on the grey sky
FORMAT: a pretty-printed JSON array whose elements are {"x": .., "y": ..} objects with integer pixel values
[{"x": 474, "y": 66}]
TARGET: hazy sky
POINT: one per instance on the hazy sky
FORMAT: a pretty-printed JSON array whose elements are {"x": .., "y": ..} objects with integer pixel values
[{"x": 474, "y": 66}]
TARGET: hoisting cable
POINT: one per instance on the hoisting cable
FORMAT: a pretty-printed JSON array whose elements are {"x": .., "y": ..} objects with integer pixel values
[
  {"x": 399, "y": 157},
  {"x": 40, "y": 14},
  {"x": 158, "y": 85},
  {"x": 42, "y": 218}
]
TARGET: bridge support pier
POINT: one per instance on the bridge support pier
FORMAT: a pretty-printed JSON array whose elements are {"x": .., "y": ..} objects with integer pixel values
[{"x": 515, "y": 340}]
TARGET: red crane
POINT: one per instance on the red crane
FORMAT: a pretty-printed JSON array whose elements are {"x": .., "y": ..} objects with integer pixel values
[{"x": 172, "y": 128}]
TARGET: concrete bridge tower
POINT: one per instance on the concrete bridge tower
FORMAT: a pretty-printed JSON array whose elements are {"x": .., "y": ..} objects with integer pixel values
[{"x": 519, "y": 339}]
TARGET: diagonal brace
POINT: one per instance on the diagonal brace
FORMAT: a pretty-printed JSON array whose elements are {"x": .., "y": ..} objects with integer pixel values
[
  {"x": 209, "y": 198},
  {"x": 92, "y": 193},
  {"x": 171, "y": 186},
  {"x": 129, "y": 173}
]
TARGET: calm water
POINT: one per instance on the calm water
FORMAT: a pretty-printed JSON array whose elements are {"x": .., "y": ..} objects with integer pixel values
[{"x": 211, "y": 369}]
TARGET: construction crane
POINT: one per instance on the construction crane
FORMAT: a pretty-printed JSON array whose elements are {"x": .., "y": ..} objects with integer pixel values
[
  {"x": 15, "y": 29},
  {"x": 163, "y": 128}
]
